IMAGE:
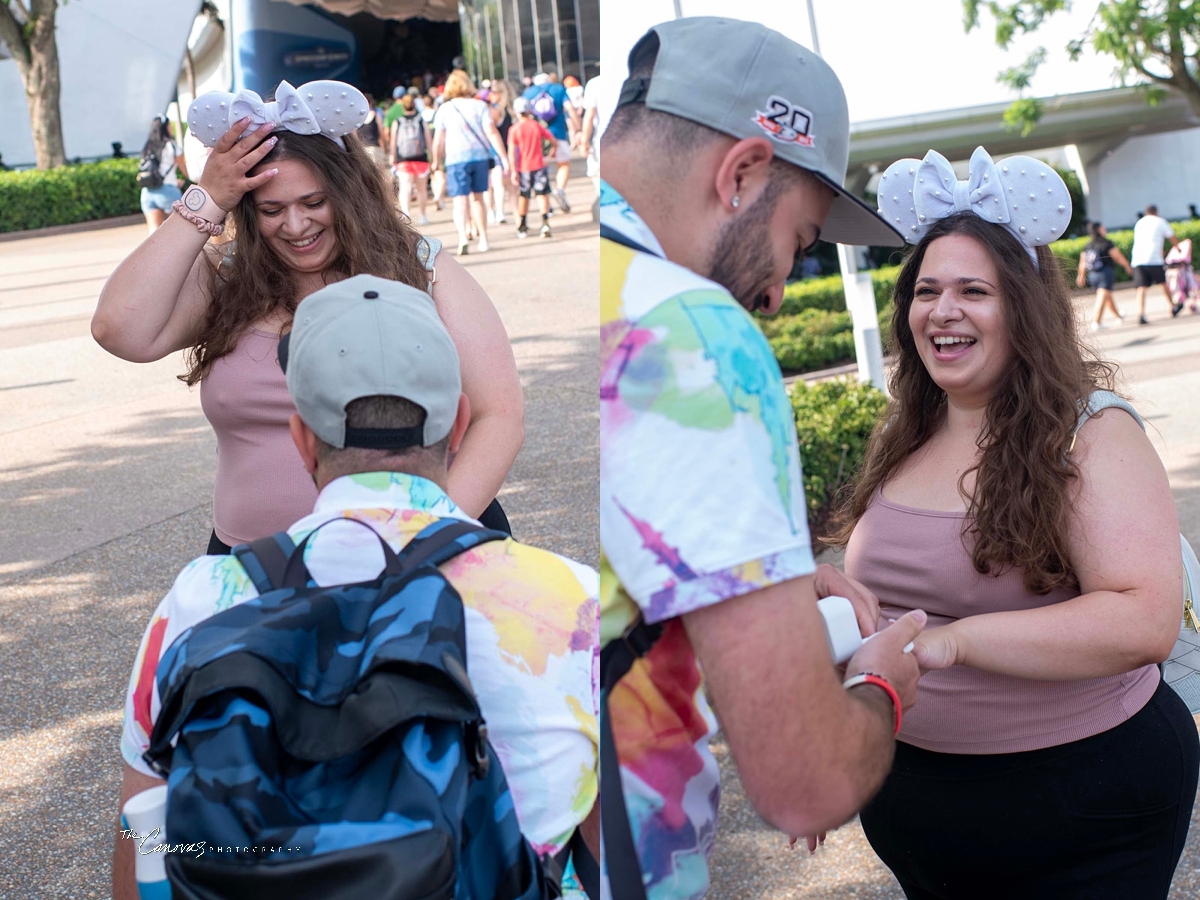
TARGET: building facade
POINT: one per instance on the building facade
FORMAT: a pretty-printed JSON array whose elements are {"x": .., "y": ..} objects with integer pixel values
[{"x": 514, "y": 39}]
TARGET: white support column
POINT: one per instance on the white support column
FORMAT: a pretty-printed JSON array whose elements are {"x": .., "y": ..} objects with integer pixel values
[{"x": 860, "y": 301}]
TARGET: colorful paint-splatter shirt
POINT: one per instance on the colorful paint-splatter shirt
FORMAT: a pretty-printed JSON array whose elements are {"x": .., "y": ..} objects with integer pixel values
[
  {"x": 701, "y": 501},
  {"x": 531, "y": 639}
]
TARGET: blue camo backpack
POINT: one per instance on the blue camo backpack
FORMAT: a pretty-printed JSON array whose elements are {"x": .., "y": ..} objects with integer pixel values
[{"x": 332, "y": 736}]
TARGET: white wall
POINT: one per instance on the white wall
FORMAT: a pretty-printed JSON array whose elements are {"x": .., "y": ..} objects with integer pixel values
[
  {"x": 119, "y": 61},
  {"x": 1163, "y": 169}
]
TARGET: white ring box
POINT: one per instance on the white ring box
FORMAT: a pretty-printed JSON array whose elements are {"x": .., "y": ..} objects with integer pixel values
[{"x": 841, "y": 629}]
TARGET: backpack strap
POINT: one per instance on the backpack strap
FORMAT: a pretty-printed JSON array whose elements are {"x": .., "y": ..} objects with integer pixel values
[
  {"x": 1097, "y": 401},
  {"x": 624, "y": 866},
  {"x": 265, "y": 560},
  {"x": 608, "y": 233},
  {"x": 443, "y": 540}
]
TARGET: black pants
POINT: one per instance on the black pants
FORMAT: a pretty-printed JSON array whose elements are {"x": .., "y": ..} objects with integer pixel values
[
  {"x": 493, "y": 517},
  {"x": 1103, "y": 817}
]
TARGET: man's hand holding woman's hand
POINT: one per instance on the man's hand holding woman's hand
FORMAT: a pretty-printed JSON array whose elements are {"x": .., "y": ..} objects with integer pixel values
[
  {"x": 225, "y": 177},
  {"x": 937, "y": 648},
  {"x": 833, "y": 582}
]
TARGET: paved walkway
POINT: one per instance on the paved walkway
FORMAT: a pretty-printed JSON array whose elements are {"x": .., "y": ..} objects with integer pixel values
[
  {"x": 105, "y": 489},
  {"x": 1159, "y": 366}
]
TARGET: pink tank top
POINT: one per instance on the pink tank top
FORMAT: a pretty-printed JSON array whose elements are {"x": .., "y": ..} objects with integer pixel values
[
  {"x": 261, "y": 485},
  {"x": 917, "y": 559}
]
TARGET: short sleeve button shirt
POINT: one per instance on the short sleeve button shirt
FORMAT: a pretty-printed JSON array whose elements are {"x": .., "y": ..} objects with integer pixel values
[
  {"x": 701, "y": 500},
  {"x": 531, "y": 639}
]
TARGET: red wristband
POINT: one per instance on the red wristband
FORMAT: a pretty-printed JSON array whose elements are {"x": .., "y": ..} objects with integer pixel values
[{"x": 880, "y": 682}]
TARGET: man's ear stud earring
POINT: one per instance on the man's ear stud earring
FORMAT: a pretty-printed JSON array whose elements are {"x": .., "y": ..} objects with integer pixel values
[{"x": 735, "y": 201}]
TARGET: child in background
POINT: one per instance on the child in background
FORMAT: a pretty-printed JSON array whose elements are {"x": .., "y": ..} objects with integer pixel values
[{"x": 528, "y": 165}]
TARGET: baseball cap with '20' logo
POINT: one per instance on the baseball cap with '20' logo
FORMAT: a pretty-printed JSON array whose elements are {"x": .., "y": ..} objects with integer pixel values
[{"x": 746, "y": 80}]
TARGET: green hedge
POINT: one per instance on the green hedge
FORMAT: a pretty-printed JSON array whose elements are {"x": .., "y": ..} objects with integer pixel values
[
  {"x": 816, "y": 339},
  {"x": 833, "y": 422},
  {"x": 68, "y": 194},
  {"x": 813, "y": 330}
]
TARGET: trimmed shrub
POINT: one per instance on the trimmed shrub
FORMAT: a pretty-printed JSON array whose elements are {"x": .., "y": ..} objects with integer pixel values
[
  {"x": 68, "y": 194},
  {"x": 827, "y": 294},
  {"x": 833, "y": 422},
  {"x": 816, "y": 339}
]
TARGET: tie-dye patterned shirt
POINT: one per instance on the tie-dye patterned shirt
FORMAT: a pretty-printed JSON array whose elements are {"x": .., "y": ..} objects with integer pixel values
[
  {"x": 701, "y": 501},
  {"x": 531, "y": 639}
]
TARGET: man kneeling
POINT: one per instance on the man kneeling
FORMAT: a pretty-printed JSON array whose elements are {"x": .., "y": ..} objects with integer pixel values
[{"x": 375, "y": 379}]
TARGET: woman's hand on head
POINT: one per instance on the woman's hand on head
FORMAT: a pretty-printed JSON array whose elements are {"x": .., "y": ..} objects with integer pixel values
[{"x": 225, "y": 174}]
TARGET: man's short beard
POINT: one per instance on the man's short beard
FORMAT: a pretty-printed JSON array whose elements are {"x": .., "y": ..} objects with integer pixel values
[{"x": 742, "y": 261}]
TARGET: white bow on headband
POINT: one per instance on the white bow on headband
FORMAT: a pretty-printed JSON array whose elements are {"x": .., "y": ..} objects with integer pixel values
[
  {"x": 331, "y": 108},
  {"x": 1021, "y": 193}
]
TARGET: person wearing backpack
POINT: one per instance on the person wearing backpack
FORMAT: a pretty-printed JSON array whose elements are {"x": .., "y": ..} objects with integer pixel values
[
  {"x": 491, "y": 652},
  {"x": 552, "y": 105},
  {"x": 410, "y": 142},
  {"x": 156, "y": 173},
  {"x": 464, "y": 139},
  {"x": 1096, "y": 270}
]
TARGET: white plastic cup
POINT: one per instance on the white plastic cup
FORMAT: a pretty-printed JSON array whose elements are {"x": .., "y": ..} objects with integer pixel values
[{"x": 142, "y": 814}]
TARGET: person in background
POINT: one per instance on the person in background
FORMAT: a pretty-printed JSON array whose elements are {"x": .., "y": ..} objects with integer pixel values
[
  {"x": 464, "y": 137},
  {"x": 1096, "y": 270},
  {"x": 156, "y": 173},
  {"x": 550, "y": 103},
  {"x": 1147, "y": 258},
  {"x": 574, "y": 93},
  {"x": 371, "y": 134},
  {"x": 411, "y": 140},
  {"x": 528, "y": 165},
  {"x": 592, "y": 128},
  {"x": 500, "y": 103}
]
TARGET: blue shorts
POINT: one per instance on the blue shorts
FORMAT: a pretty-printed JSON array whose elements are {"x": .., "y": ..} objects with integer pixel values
[
  {"x": 1101, "y": 278},
  {"x": 467, "y": 178},
  {"x": 160, "y": 197}
]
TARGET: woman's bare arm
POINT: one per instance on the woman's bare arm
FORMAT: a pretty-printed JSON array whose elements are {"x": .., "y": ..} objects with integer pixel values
[
  {"x": 154, "y": 302},
  {"x": 489, "y": 376},
  {"x": 1121, "y": 261},
  {"x": 1125, "y": 549}
]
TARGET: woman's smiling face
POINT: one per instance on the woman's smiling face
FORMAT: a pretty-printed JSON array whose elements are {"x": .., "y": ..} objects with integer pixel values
[
  {"x": 957, "y": 319},
  {"x": 296, "y": 218}
]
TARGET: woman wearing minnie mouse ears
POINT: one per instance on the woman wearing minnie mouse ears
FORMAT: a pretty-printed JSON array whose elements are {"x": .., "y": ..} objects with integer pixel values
[
  {"x": 310, "y": 207},
  {"x": 1044, "y": 757}
]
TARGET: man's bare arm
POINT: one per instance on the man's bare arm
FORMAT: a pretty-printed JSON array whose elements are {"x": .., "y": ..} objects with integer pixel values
[
  {"x": 124, "y": 883},
  {"x": 809, "y": 753}
]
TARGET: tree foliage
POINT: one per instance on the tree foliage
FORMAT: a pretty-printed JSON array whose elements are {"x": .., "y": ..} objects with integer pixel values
[{"x": 1154, "y": 42}]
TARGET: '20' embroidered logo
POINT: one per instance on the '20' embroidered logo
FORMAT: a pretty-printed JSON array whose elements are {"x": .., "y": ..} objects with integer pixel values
[{"x": 785, "y": 121}]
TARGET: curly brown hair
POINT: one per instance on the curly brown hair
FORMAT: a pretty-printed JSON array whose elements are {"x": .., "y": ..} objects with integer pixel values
[
  {"x": 1019, "y": 512},
  {"x": 251, "y": 282}
]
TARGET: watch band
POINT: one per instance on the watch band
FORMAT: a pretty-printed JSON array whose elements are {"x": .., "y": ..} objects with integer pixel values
[
  {"x": 197, "y": 201},
  {"x": 880, "y": 682}
]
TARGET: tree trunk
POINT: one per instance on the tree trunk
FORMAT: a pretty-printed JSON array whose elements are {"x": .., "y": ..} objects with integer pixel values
[
  {"x": 35, "y": 51},
  {"x": 42, "y": 89}
]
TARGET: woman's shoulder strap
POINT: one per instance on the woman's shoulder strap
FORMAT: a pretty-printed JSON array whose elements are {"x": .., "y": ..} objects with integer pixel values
[
  {"x": 427, "y": 250},
  {"x": 1099, "y": 400}
]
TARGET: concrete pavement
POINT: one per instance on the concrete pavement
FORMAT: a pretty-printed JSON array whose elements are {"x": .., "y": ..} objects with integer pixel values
[
  {"x": 1160, "y": 372},
  {"x": 105, "y": 493}
]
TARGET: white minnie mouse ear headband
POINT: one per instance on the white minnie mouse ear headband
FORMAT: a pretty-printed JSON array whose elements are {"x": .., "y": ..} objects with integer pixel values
[
  {"x": 1021, "y": 193},
  {"x": 330, "y": 108}
]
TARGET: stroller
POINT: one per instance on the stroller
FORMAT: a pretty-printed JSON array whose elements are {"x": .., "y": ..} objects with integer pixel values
[{"x": 1182, "y": 283}]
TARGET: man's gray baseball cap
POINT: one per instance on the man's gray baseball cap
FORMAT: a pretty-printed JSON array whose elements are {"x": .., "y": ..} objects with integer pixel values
[
  {"x": 366, "y": 337},
  {"x": 745, "y": 80}
]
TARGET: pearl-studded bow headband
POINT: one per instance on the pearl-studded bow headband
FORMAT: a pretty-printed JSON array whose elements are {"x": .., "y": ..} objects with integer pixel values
[
  {"x": 1021, "y": 193},
  {"x": 330, "y": 108}
]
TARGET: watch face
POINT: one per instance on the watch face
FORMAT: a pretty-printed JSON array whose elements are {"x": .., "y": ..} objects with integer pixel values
[{"x": 194, "y": 199}]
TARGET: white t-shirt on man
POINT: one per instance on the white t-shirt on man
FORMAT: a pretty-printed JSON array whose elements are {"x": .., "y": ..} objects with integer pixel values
[{"x": 1148, "y": 236}]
